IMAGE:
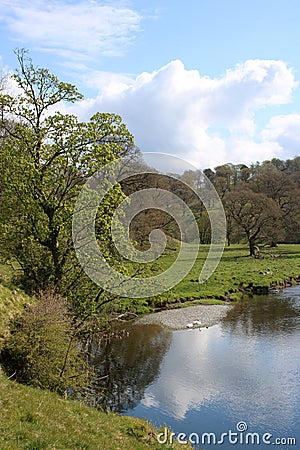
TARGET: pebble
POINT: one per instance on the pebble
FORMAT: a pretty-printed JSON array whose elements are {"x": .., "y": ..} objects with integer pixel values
[{"x": 187, "y": 317}]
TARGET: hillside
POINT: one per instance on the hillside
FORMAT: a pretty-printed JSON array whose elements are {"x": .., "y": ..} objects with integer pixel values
[{"x": 36, "y": 419}]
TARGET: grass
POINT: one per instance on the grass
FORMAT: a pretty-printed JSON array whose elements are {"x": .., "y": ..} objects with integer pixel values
[
  {"x": 12, "y": 300},
  {"x": 235, "y": 271},
  {"x": 236, "y": 268},
  {"x": 35, "y": 419}
]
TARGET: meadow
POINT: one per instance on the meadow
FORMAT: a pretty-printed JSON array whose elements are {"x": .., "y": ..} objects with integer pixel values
[{"x": 231, "y": 280}]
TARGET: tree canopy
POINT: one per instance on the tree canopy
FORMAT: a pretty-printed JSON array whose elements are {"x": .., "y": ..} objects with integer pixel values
[
  {"x": 262, "y": 202},
  {"x": 46, "y": 156}
]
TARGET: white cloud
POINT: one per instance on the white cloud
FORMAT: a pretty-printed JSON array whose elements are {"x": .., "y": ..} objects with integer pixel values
[
  {"x": 113, "y": 83},
  {"x": 284, "y": 132},
  {"x": 206, "y": 120},
  {"x": 77, "y": 31}
]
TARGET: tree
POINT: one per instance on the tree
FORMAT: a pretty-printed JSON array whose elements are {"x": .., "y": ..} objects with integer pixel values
[
  {"x": 280, "y": 186},
  {"x": 227, "y": 176},
  {"x": 293, "y": 168},
  {"x": 224, "y": 179},
  {"x": 152, "y": 218},
  {"x": 256, "y": 214},
  {"x": 46, "y": 156}
]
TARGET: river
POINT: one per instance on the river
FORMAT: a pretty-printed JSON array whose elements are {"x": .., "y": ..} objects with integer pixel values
[{"x": 238, "y": 380}]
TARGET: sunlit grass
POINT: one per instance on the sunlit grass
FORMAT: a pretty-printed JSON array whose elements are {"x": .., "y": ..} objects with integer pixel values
[
  {"x": 12, "y": 300},
  {"x": 236, "y": 268},
  {"x": 34, "y": 419},
  {"x": 235, "y": 271}
]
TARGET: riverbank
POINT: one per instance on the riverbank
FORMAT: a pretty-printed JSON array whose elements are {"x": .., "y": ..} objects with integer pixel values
[
  {"x": 236, "y": 275},
  {"x": 189, "y": 317},
  {"x": 35, "y": 419},
  {"x": 32, "y": 418}
]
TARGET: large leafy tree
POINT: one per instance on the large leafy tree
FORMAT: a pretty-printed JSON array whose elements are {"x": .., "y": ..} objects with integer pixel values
[
  {"x": 256, "y": 215},
  {"x": 46, "y": 156},
  {"x": 281, "y": 186}
]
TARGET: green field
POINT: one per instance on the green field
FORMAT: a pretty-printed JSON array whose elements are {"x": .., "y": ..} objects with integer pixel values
[
  {"x": 235, "y": 272},
  {"x": 237, "y": 267}
]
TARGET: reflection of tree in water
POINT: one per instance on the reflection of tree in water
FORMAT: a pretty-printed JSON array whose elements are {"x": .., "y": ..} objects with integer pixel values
[
  {"x": 263, "y": 314},
  {"x": 128, "y": 364}
]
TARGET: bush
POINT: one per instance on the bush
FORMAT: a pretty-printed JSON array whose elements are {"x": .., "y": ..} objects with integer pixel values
[{"x": 42, "y": 349}]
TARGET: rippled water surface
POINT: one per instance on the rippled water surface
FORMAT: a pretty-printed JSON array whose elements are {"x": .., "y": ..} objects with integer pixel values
[{"x": 245, "y": 369}]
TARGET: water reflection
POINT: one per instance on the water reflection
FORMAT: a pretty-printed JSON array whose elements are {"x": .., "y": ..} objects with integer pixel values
[
  {"x": 127, "y": 365},
  {"x": 242, "y": 379},
  {"x": 274, "y": 314},
  {"x": 245, "y": 368}
]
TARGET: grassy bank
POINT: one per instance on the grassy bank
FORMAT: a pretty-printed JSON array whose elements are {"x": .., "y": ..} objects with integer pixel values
[
  {"x": 33, "y": 419},
  {"x": 12, "y": 300},
  {"x": 235, "y": 272}
]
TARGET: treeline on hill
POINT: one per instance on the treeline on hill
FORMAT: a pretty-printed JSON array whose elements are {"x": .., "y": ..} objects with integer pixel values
[{"x": 261, "y": 202}]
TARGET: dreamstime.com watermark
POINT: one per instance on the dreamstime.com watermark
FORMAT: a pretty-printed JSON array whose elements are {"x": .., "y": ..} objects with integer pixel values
[
  {"x": 93, "y": 194},
  {"x": 240, "y": 436}
]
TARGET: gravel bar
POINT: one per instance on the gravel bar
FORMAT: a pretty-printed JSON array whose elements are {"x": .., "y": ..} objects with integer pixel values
[{"x": 187, "y": 317}]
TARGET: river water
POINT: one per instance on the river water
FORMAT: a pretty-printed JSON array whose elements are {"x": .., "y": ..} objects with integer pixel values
[{"x": 240, "y": 376}]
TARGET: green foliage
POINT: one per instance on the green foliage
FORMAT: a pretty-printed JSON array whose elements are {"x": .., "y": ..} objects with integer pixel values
[
  {"x": 12, "y": 301},
  {"x": 45, "y": 159},
  {"x": 42, "y": 349}
]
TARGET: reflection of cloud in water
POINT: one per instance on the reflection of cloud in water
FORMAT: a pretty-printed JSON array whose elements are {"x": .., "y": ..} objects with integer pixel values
[
  {"x": 253, "y": 378},
  {"x": 182, "y": 385}
]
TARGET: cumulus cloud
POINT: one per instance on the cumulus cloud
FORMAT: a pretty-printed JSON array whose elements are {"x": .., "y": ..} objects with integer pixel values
[
  {"x": 284, "y": 132},
  {"x": 76, "y": 31},
  {"x": 206, "y": 120}
]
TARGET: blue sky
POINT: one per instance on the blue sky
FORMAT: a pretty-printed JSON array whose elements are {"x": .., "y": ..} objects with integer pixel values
[{"x": 212, "y": 81}]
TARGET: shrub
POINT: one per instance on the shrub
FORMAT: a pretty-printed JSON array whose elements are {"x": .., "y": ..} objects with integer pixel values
[{"x": 42, "y": 349}]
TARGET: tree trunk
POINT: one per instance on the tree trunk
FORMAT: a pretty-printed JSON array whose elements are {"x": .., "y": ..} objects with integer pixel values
[
  {"x": 252, "y": 247},
  {"x": 228, "y": 237}
]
